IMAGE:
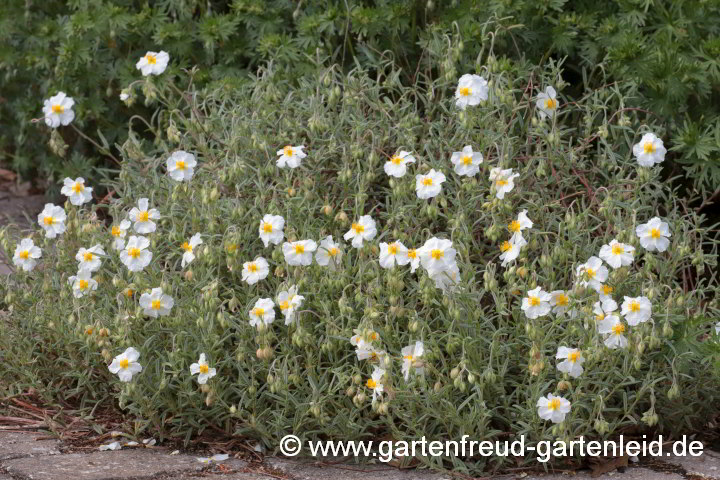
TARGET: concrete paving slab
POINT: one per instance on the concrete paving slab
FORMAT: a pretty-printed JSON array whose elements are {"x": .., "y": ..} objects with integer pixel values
[
  {"x": 18, "y": 445},
  {"x": 313, "y": 470},
  {"x": 630, "y": 473},
  {"x": 109, "y": 465},
  {"x": 707, "y": 465}
]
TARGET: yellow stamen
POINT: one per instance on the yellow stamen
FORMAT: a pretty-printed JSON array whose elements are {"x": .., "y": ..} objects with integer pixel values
[
  {"x": 634, "y": 306},
  {"x": 427, "y": 181},
  {"x": 116, "y": 231},
  {"x": 204, "y": 368},
  {"x": 467, "y": 160},
  {"x": 299, "y": 249},
  {"x": 392, "y": 249},
  {"x": 618, "y": 249},
  {"x": 58, "y": 109},
  {"x": 267, "y": 227},
  {"x": 187, "y": 247},
  {"x": 284, "y": 305},
  {"x": 142, "y": 216},
  {"x": 333, "y": 251},
  {"x": 534, "y": 301},
  {"x": 437, "y": 254},
  {"x": 655, "y": 233},
  {"x": 78, "y": 188},
  {"x": 253, "y": 268},
  {"x": 408, "y": 357},
  {"x": 373, "y": 336},
  {"x": 180, "y": 165},
  {"x": 124, "y": 363},
  {"x": 514, "y": 226},
  {"x": 134, "y": 252},
  {"x": 501, "y": 183},
  {"x": 649, "y": 147},
  {"x": 258, "y": 312},
  {"x": 550, "y": 103},
  {"x": 156, "y": 305},
  {"x": 371, "y": 383},
  {"x": 554, "y": 404},
  {"x": 83, "y": 284},
  {"x": 573, "y": 356},
  {"x": 618, "y": 329},
  {"x": 505, "y": 246},
  {"x": 151, "y": 59},
  {"x": 412, "y": 253},
  {"x": 396, "y": 160},
  {"x": 465, "y": 91},
  {"x": 288, "y": 151},
  {"x": 48, "y": 220},
  {"x": 607, "y": 289},
  {"x": 24, "y": 254},
  {"x": 88, "y": 256},
  {"x": 590, "y": 272},
  {"x": 358, "y": 228},
  {"x": 561, "y": 300}
]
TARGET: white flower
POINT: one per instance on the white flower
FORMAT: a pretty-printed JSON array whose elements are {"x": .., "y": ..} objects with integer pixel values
[
  {"x": 189, "y": 247},
  {"x": 397, "y": 165},
  {"x": 467, "y": 162},
  {"x": 181, "y": 166},
  {"x": 143, "y": 217},
  {"x": 717, "y": 328},
  {"x": 124, "y": 96},
  {"x": 517, "y": 226},
  {"x": 366, "y": 351},
  {"x": 300, "y": 252},
  {"x": 592, "y": 273},
  {"x": 153, "y": 63},
  {"x": 52, "y": 220},
  {"x": 89, "y": 258},
  {"x": 411, "y": 354},
  {"x": 126, "y": 365},
  {"x": 503, "y": 181},
  {"x": 135, "y": 256},
  {"x": 560, "y": 301},
  {"x": 471, "y": 90},
  {"x": 654, "y": 235},
  {"x": 58, "y": 110},
  {"x": 430, "y": 185},
  {"x": 414, "y": 256},
  {"x": 375, "y": 384},
  {"x": 271, "y": 229},
  {"x": 76, "y": 191},
  {"x": 393, "y": 253},
  {"x": 220, "y": 457},
  {"x": 363, "y": 230},
  {"x": 636, "y": 310},
  {"x": 605, "y": 292},
  {"x": 547, "y": 103},
  {"x": 437, "y": 255},
  {"x": 263, "y": 312},
  {"x": 553, "y": 408},
  {"x": 447, "y": 279},
  {"x": 329, "y": 253},
  {"x": 26, "y": 255},
  {"x": 289, "y": 302},
  {"x": 255, "y": 271},
  {"x": 118, "y": 233},
  {"x": 202, "y": 370},
  {"x": 649, "y": 151},
  {"x": 614, "y": 328},
  {"x": 511, "y": 249},
  {"x": 110, "y": 446},
  {"x": 572, "y": 361},
  {"x": 156, "y": 303},
  {"x": 82, "y": 283},
  {"x": 604, "y": 308},
  {"x": 537, "y": 303},
  {"x": 617, "y": 254},
  {"x": 290, "y": 156}
]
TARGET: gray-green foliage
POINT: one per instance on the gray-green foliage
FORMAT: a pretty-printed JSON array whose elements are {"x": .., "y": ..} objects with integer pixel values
[{"x": 486, "y": 363}]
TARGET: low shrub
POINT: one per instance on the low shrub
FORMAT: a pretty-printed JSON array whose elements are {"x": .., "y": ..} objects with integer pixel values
[{"x": 489, "y": 338}]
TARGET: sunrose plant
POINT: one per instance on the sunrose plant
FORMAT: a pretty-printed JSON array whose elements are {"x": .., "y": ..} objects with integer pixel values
[{"x": 512, "y": 271}]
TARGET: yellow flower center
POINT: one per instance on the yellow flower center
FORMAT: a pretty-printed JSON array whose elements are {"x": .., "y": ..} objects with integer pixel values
[
  {"x": 142, "y": 216},
  {"x": 151, "y": 59},
  {"x": 618, "y": 249},
  {"x": 116, "y": 231},
  {"x": 437, "y": 254},
  {"x": 514, "y": 226},
  {"x": 58, "y": 109},
  {"x": 634, "y": 306},
  {"x": 561, "y": 300},
  {"x": 396, "y": 160},
  {"x": 607, "y": 289},
  {"x": 371, "y": 383},
  {"x": 48, "y": 220},
  {"x": 89, "y": 331},
  {"x": 134, "y": 252},
  {"x": 427, "y": 181},
  {"x": 554, "y": 404},
  {"x": 590, "y": 272},
  {"x": 648, "y": 147},
  {"x": 501, "y": 183},
  {"x": 284, "y": 305},
  {"x": 299, "y": 249},
  {"x": 655, "y": 233},
  {"x": 180, "y": 165},
  {"x": 618, "y": 329},
  {"x": 88, "y": 256},
  {"x": 187, "y": 247},
  {"x": 467, "y": 160},
  {"x": 373, "y": 336},
  {"x": 78, "y": 187},
  {"x": 25, "y": 254},
  {"x": 534, "y": 301},
  {"x": 124, "y": 363},
  {"x": 392, "y": 249},
  {"x": 288, "y": 151},
  {"x": 267, "y": 227},
  {"x": 128, "y": 292},
  {"x": 505, "y": 246},
  {"x": 600, "y": 317},
  {"x": 232, "y": 247},
  {"x": 465, "y": 91},
  {"x": 204, "y": 368},
  {"x": 412, "y": 253},
  {"x": 573, "y": 356},
  {"x": 550, "y": 103},
  {"x": 156, "y": 305},
  {"x": 333, "y": 251},
  {"x": 258, "y": 312},
  {"x": 358, "y": 228},
  {"x": 253, "y": 268},
  {"x": 82, "y": 284},
  {"x": 408, "y": 357}
]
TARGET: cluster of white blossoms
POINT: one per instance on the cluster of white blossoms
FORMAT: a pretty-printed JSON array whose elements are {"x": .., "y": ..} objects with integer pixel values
[
  {"x": 263, "y": 312},
  {"x": 511, "y": 248}
]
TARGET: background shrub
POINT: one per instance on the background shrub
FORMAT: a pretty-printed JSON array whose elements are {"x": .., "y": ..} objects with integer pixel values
[
  {"x": 88, "y": 48},
  {"x": 487, "y": 364}
]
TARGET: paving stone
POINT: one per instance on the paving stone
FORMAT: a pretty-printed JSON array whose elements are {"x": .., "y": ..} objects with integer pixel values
[
  {"x": 630, "y": 473},
  {"x": 311, "y": 470},
  {"x": 706, "y": 465},
  {"x": 110, "y": 465},
  {"x": 18, "y": 445}
]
